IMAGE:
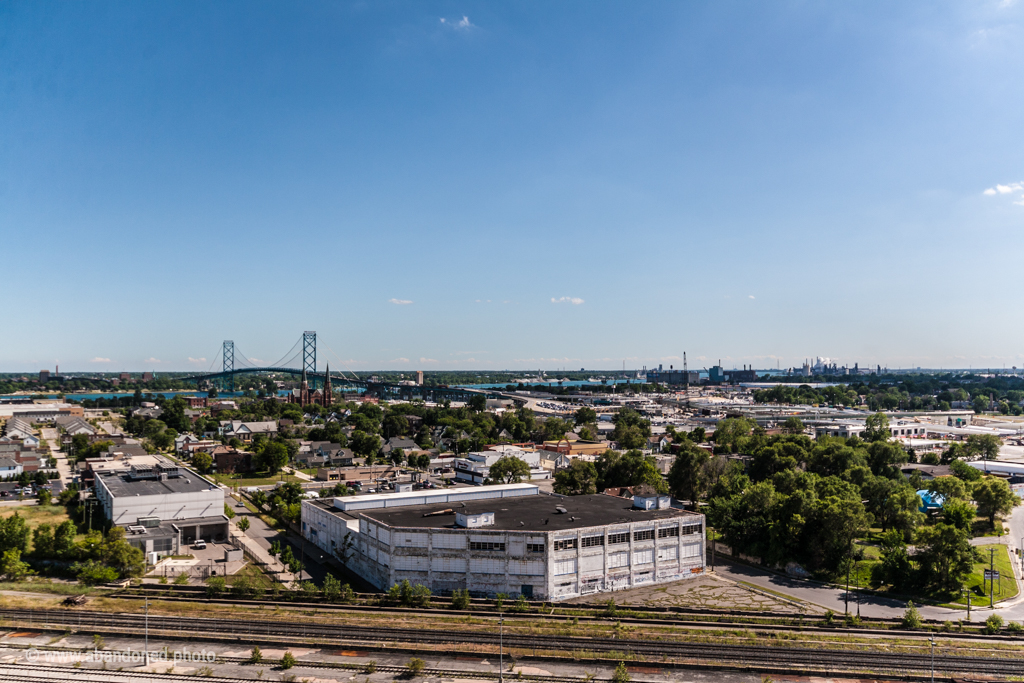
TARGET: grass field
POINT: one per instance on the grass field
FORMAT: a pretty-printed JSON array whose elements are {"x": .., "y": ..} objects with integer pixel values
[
  {"x": 1006, "y": 586},
  {"x": 34, "y": 515},
  {"x": 240, "y": 480}
]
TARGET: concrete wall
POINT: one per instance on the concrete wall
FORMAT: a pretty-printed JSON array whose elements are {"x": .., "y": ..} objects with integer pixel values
[
  {"x": 167, "y": 507},
  {"x": 445, "y": 559}
]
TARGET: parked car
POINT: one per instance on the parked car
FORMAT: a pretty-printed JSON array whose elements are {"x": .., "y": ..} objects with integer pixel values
[{"x": 199, "y": 545}]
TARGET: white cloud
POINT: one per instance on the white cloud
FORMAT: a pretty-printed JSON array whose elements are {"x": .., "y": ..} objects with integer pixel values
[
  {"x": 97, "y": 359},
  {"x": 152, "y": 360},
  {"x": 399, "y": 360},
  {"x": 399, "y": 302},
  {"x": 750, "y": 296},
  {"x": 427, "y": 360},
  {"x": 196, "y": 360},
  {"x": 574, "y": 300},
  {"x": 257, "y": 360},
  {"x": 990, "y": 191},
  {"x": 463, "y": 24}
]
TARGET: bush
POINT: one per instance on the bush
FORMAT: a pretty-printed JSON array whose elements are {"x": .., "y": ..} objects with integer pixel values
[
  {"x": 288, "y": 661},
  {"x": 460, "y": 599},
  {"x": 621, "y": 674},
  {"x": 610, "y": 608},
  {"x": 256, "y": 656},
  {"x": 830, "y": 617},
  {"x": 416, "y": 666},
  {"x": 911, "y": 618},
  {"x": 181, "y": 579},
  {"x": 1014, "y": 626},
  {"x": 371, "y": 666},
  {"x": 521, "y": 605},
  {"x": 215, "y": 586},
  {"x": 93, "y": 573},
  {"x": 993, "y": 624}
]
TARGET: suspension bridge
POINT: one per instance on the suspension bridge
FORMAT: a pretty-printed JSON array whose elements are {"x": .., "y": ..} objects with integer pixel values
[{"x": 304, "y": 360}]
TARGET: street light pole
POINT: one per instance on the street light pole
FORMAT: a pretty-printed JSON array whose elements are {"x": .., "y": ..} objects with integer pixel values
[{"x": 932, "y": 641}]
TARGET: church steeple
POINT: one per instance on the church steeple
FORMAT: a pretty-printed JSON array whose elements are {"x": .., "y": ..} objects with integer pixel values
[{"x": 328, "y": 399}]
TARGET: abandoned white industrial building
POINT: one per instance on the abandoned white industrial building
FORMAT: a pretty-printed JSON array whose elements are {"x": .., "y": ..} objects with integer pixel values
[{"x": 509, "y": 539}]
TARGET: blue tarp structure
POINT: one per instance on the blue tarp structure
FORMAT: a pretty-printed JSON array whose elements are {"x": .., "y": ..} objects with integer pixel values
[{"x": 930, "y": 501}]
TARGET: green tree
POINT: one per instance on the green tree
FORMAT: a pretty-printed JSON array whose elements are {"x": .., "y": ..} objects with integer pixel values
[
  {"x": 945, "y": 556},
  {"x": 631, "y": 429},
  {"x": 579, "y": 479},
  {"x": 93, "y": 573},
  {"x": 64, "y": 539},
  {"x": 288, "y": 660},
  {"x": 731, "y": 432},
  {"x": 876, "y": 428},
  {"x": 980, "y": 403},
  {"x": 964, "y": 472},
  {"x": 364, "y": 444},
  {"x": 508, "y": 469},
  {"x": 11, "y": 566},
  {"x": 993, "y": 497},
  {"x": 416, "y": 666},
  {"x": 631, "y": 468},
  {"x": 118, "y": 554},
  {"x": 959, "y": 514},
  {"x": 555, "y": 428},
  {"x": 42, "y": 540},
  {"x": 273, "y": 457},
  {"x": 984, "y": 446},
  {"x": 621, "y": 674},
  {"x": 584, "y": 416},
  {"x": 243, "y": 524},
  {"x": 895, "y": 568},
  {"x": 202, "y": 461},
  {"x": 14, "y": 533},
  {"x": 686, "y": 477},
  {"x": 256, "y": 656},
  {"x": 478, "y": 403},
  {"x": 793, "y": 425},
  {"x": 45, "y": 497}
]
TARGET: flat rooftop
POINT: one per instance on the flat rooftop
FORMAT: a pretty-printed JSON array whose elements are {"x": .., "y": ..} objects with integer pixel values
[
  {"x": 528, "y": 513},
  {"x": 122, "y": 485}
]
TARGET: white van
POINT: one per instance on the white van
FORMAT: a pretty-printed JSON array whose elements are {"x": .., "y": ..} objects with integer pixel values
[{"x": 199, "y": 545}]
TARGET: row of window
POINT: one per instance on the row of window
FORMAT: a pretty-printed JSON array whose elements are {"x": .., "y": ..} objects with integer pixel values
[
  {"x": 474, "y": 545},
  {"x": 623, "y": 537}
]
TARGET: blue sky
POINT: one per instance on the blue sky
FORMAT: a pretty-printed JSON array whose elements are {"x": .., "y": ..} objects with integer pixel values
[{"x": 511, "y": 185}]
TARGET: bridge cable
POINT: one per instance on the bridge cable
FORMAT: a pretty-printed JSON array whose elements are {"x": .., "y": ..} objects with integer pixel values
[
  {"x": 286, "y": 355},
  {"x": 354, "y": 375}
]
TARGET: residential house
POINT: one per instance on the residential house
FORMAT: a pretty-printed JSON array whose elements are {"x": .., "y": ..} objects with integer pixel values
[
  {"x": 228, "y": 460},
  {"x": 245, "y": 431}
]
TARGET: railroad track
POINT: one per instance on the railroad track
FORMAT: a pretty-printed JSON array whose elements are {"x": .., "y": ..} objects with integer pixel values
[{"x": 698, "y": 653}]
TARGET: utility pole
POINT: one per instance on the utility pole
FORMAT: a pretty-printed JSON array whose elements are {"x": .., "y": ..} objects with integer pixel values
[
  {"x": 147, "y": 631},
  {"x": 501, "y": 646},
  {"x": 848, "y": 563}
]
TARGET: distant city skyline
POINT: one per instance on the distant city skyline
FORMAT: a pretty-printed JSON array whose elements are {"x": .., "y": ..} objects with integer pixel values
[{"x": 442, "y": 185}]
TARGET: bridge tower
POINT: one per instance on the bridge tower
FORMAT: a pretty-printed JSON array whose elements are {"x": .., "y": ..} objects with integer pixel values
[
  {"x": 309, "y": 353},
  {"x": 229, "y": 360}
]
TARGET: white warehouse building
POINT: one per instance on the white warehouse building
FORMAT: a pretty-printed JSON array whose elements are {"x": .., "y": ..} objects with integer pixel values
[
  {"x": 510, "y": 539},
  {"x": 162, "y": 507}
]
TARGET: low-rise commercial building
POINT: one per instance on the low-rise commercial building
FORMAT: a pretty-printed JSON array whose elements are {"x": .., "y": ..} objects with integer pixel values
[
  {"x": 146, "y": 495},
  {"x": 509, "y": 539}
]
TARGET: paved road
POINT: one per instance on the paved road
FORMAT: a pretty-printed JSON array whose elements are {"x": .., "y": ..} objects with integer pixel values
[{"x": 51, "y": 436}]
